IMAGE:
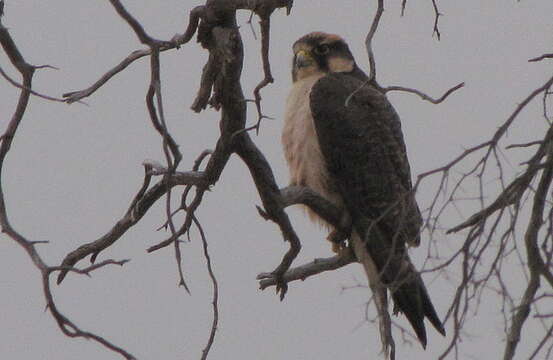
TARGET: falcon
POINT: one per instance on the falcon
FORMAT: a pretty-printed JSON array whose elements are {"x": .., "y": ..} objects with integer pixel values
[{"x": 342, "y": 138}]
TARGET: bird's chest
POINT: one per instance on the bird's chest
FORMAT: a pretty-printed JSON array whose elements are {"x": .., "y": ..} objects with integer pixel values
[{"x": 301, "y": 145}]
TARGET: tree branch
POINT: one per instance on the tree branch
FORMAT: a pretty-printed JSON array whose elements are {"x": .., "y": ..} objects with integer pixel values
[
  {"x": 138, "y": 208},
  {"x": 215, "y": 299},
  {"x": 535, "y": 262},
  {"x": 176, "y": 42},
  {"x": 26, "y": 70},
  {"x": 542, "y": 57},
  {"x": 19, "y": 86},
  {"x": 519, "y": 185},
  {"x": 302, "y": 272},
  {"x": 423, "y": 95},
  {"x": 270, "y": 196},
  {"x": 265, "y": 24},
  {"x": 369, "y": 40},
  {"x": 437, "y": 15}
]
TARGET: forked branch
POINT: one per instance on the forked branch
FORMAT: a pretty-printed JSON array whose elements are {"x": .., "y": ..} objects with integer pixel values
[{"x": 65, "y": 324}]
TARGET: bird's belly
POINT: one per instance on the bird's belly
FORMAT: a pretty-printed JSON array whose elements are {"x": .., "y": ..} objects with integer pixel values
[{"x": 301, "y": 148}]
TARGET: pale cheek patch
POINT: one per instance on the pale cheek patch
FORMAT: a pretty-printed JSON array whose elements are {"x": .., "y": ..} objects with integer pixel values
[{"x": 340, "y": 64}]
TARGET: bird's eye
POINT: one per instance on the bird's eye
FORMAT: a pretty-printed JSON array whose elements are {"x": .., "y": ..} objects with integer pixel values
[{"x": 322, "y": 49}]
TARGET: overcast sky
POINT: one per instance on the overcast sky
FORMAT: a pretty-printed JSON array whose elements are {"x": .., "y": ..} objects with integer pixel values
[{"x": 73, "y": 170}]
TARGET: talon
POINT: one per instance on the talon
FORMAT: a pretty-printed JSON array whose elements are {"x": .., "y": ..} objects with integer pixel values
[
  {"x": 281, "y": 286},
  {"x": 338, "y": 240},
  {"x": 341, "y": 248}
]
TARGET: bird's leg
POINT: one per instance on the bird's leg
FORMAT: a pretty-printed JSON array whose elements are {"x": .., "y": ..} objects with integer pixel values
[
  {"x": 339, "y": 235},
  {"x": 338, "y": 240}
]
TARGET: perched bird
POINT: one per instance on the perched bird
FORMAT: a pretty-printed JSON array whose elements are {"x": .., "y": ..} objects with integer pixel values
[{"x": 342, "y": 138}]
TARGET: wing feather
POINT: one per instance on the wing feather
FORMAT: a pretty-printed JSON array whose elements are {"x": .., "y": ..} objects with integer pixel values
[
  {"x": 365, "y": 152},
  {"x": 361, "y": 141}
]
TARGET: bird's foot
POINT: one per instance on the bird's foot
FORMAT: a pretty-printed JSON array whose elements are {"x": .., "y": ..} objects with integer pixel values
[{"x": 338, "y": 240}]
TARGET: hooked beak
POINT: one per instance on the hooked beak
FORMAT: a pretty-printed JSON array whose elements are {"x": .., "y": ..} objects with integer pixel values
[{"x": 303, "y": 59}]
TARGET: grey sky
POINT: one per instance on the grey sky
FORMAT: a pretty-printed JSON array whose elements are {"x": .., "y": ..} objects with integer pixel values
[{"x": 74, "y": 169}]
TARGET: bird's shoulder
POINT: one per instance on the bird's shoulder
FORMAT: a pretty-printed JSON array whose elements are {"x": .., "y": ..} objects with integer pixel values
[
  {"x": 337, "y": 87},
  {"x": 341, "y": 102},
  {"x": 343, "y": 97}
]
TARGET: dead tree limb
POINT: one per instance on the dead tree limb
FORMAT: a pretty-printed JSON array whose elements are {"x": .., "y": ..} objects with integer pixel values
[{"x": 65, "y": 324}]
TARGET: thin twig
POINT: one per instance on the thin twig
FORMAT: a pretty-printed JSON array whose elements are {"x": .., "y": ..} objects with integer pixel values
[
  {"x": 19, "y": 86},
  {"x": 524, "y": 145},
  {"x": 437, "y": 15},
  {"x": 65, "y": 324},
  {"x": 265, "y": 24},
  {"x": 176, "y": 42},
  {"x": 542, "y": 57},
  {"x": 214, "y": 301},
  {"x": 535, "y": 262},
  {"x": 141, "y": 203},
  {"x": 423, "y": 95},
  {"x": 369, "y": 40}
]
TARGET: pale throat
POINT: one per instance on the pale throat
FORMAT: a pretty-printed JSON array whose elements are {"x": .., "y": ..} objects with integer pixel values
[{"x": 308, "y": 71}]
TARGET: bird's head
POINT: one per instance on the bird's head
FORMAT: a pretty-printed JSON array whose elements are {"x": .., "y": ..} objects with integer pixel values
[{"x": 320, "y": 53}]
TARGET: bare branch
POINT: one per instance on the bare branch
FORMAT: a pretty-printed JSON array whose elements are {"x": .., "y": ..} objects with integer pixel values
[
  {"x": 535, "y": 262},
  {"x": 369, "y": 40},
  {"x": 133, "y": 23},
  {"x": 302, "y": 272},
  {"x": 209, "y": 74},
  {"x": 423, "y": 95},
  {"x": 292, "y": 195},
  {"x": 437, "y": 15},
  {"x": 514, "y": 191},
  {"x": 215, "y": 299},
  {"x": 528, "y": 144},
  {"x": 194, "y": 18},
  {"x": 26, "y": 70},
  {"x": 177, "y": 41},
  {"x": 157, "y": 116},
  {"x": 265, "y": 24},
  {"x": 270, "y": 196},
  {"x": 19, "y": 86},
  {"x": 545, "y": 338},
  {"x": 542, "y": 57},
  {"x": 221, "y": 80},
  {"x": 139, "y": 206},
  {"x": 91, "y": 268}
]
